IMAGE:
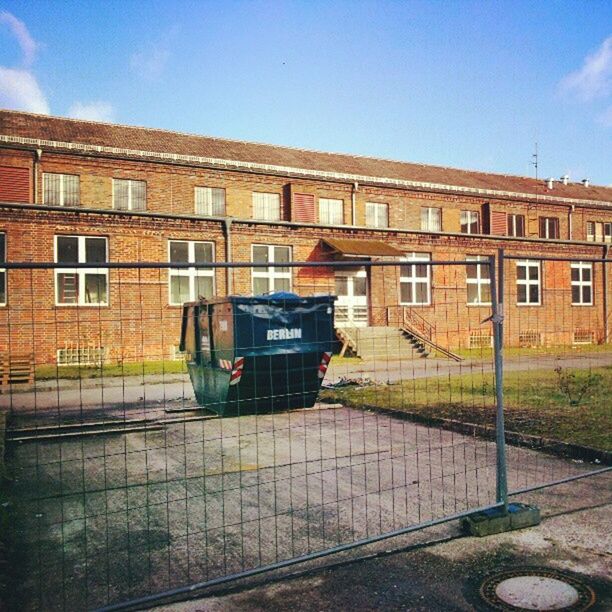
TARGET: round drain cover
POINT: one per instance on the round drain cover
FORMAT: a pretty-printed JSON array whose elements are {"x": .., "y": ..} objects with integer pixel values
[{"x": 536, "y": 589}]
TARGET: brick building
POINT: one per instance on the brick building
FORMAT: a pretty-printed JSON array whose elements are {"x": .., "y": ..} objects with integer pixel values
[{"x": 79, "y": 191}]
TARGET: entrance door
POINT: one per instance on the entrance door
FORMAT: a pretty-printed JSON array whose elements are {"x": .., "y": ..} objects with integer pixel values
[{"x": 352, "y": 302}]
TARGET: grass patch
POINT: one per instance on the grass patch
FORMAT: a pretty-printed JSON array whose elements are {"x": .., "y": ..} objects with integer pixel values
[
  {"x": 51, "y": 372},
  {"x": 535, "y": 402},
  {"x": 561, "y": 351}
]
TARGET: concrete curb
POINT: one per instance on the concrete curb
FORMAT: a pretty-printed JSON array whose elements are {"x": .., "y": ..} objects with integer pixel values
[{"x": 540, "y": 443}]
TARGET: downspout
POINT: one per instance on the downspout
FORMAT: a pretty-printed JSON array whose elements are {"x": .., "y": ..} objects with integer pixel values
[
  {"x": 37, "y": 157},
  {"x": 227, "y": 232},
  {"x": 572, "y": 208},
  {"x": 606, "y": 253},
  {"x": 354, "y": 203}
]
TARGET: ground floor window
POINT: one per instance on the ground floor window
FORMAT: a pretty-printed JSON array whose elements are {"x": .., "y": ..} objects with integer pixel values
[
  {"x": 188, "y": 284},
  {"x": 275, "y": 277},
  {"x": 478, "y": 279},
  {"x": 528, "y": 282},
  {"x": 81, "y": 286},
  {"x": 415, "y": 280},
  {"x": 582, "y": 283}
]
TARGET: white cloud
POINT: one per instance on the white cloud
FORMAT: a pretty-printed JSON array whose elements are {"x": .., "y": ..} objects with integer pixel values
[
  {"x": 594, "y": 79},
  {"x": 20, "y": 90},
  {"x": 20, "y": 32},
  {"x": 92, "y": 111}
]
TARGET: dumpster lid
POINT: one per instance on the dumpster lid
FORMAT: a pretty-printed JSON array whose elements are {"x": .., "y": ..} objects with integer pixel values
[{"x": 271, "y": 298}]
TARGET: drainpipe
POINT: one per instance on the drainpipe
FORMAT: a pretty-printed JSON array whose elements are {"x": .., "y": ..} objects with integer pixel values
[
  {"x": 572, "y": 208},
  {"x": 227, "y": 232},
  {"x": 354, "y": 203},
  {"x": 605, "y": 265},
  {"x": 37, "y": 157}
]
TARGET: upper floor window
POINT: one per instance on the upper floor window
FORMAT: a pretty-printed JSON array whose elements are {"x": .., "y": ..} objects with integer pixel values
[
  {"x": 188, "y": 284},
  {"x": 598, "y": 232},
  {"x": 516, "y": 225},
  {"x": 2, "y": 270},
  {"x": 81, "y": 286},
  {"x": 331, "y": 212},
  {"x": 129, "y": 194},
  {"x": 528, "y": 281},
  {"x": 431, "y": 219},
  {"x": 274, "y": 277},
  {"x": 470, "y": 222},
  {"x": 377, "y": 215},
  {"x": 210, "y": 201},
  {"x": 582, "y": 283},
  {"x": 549, "y": 227},
  {"x": 478, "y": 279},
  {"x": 415, "y": 280},
  {"x": 266, "y": 206},
  {"x": 61, "y": 189}
]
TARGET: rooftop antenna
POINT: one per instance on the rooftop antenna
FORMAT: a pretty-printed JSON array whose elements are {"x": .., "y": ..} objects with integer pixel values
[{"x": 535, "y": 160}]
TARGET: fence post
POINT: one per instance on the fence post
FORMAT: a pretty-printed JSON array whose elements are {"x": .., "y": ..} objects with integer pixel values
[{"x": 497, "y": 302}]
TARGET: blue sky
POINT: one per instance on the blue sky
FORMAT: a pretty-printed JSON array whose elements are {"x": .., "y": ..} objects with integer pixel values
[{"x": 463, "y": 84}]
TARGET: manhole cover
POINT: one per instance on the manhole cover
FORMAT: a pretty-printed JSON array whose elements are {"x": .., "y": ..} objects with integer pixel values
[{"x": 536, "y": 589}]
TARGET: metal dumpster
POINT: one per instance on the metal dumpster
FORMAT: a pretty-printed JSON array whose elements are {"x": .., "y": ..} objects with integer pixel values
[{"x": 258, "y": 354}]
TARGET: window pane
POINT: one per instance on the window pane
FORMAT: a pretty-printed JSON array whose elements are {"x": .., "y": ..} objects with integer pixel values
[
  {"x": 2, "y": 248},
  {"x": 521, "y": 294},
  {"x": 575, "y": 274},
  {"x": 121, "y": 191},
  {"x": 67, "y": 249},
  {"x": 204, "y": 286},
  {"x": 575, "y": 294},
  {"x": 586, "y": 294},
  {"x": 179, "y": 289},
  {"x": 534, "y": 294},
  {"x": 485, "y": 290},
  {"x": 359, "y": 286},
  {"x": 71, "y": 190},
  {"x": 139, "y": 195},
  {"x": 67, "y": 288},
  {"x": 341, "y": 285},
  {"x": 534, "y": 272},
  {"x": 406, "y": 292},
  {"x": 203, "y": 252},
  {"x": 95, "y": 288},
  {"x": 95, "y": 250},
  {"x": 260, "y": 254},
  {"x": 472, "y": 293},
  {"x": 52, "y": 189},
  {"x": 421, "y": 293},
  {"x": 471, "y": 271},
  {"x": 260, "y": 285},
  {"x": 218, "y": 201},
  {"x": 2, "y": 287},
  {"x": 586, "y": 273},
  {"x": 281, "y": 255},
  {"x": 521, "y": 272},
  {"x": 179, "y": 252},
  {"x": 282, "y": 284}
]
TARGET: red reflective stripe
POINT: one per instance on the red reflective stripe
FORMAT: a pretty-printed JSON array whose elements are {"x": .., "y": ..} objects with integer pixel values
[
  {"x": 237, "y": 371},
  {"x": 325, "y": 359}
]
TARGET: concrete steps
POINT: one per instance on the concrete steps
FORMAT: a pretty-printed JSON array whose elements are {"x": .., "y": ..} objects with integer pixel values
[{"x": 388, "y": 343}]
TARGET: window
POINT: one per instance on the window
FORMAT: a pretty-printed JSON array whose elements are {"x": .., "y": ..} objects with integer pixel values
[
  {"x": 129, "y": 194},
  {"x": 478, "y": 280},
  {"x": 415, "y": 281},
  {"x": 273, "y": 278},
  {"x": 377, "y": 215},
  {"x": 266, "y": 206},
  {"x": 528, "y": 282},
  {"x": 210, "y": 201},
  {"x": 582, "y": 283},
  {"x": 470, "y": 222},
  {"x": 549, "y": 227},
  {"x": 188, "y": 284},
  {"x": 431, "y": 219},
  {"x": 598, "y": 232},
  {"x": 331, "y": 212},
  {"x": 2, "y": 270},
  {"x": 86, "y": 286},
  {"x": 60, "y": 189},
  {"x": 516, "y": 225}
]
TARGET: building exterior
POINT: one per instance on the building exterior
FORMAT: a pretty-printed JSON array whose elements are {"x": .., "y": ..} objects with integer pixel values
[{"x": 79, "y": 191}]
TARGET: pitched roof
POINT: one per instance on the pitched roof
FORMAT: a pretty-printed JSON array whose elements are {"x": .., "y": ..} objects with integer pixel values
[{"x": 43, "y": 127}]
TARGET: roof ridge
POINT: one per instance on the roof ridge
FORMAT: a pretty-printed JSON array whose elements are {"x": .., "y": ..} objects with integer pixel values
[{"x": 289, "y": 147}]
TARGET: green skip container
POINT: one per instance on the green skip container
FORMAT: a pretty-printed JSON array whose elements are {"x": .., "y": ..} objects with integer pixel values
[{"x": 256, "y": 354}]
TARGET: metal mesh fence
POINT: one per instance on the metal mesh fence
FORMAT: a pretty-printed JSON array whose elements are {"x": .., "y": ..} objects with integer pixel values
[{"x": 125, "y": 483}]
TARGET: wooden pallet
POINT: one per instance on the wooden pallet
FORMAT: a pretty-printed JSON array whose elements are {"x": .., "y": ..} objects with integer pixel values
[{"x": 16, "y": 370}]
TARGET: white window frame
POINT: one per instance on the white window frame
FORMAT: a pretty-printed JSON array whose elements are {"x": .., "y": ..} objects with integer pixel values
[
  {"x": 550, "y": 223},
  {"x": 131, "y": 183},
  {"x": 580, "y": 283},
  {"x": 431, "y": 217},
  {"x": 607, "y": 236},
  {"x": 203, "y": 201},
  {"x": 467, "y": 218},
  {"x": 331, "y": 211},
  {"x": 591, "y": 229},
  {"x": 377, "y": 214},
  {"x": 512, "y": 225},
  {"x": 266, "y": 206},
  {"x": 62, "y": 188},
  {"x": 271, "y": 272},
  {"x": 413, "y": 279},
  {"x": 3, "y": 271},
  {"x": 527, "y": 282},
  {"x": 80, "y": 273},
  {"x": 190, "y": 273},
  {"x": 480, "y": 281}
]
